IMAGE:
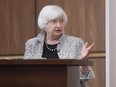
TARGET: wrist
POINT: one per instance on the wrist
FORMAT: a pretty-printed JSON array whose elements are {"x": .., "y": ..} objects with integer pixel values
[
  {"x": 84, "y": 69},
  {"x": 84, "y": 58}
]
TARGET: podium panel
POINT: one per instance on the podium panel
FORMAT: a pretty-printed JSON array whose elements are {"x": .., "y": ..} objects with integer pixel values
[{"x": 40, "y": 73}]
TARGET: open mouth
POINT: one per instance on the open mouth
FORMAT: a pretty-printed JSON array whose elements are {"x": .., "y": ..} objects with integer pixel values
[{"x": 57, "y": 30}]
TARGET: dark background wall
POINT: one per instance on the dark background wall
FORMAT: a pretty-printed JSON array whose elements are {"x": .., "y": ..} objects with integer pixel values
[{"x": 18, "y": 22}]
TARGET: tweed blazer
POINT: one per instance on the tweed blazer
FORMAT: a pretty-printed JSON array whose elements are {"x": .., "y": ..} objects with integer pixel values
[{"x": 68, "y": 48}]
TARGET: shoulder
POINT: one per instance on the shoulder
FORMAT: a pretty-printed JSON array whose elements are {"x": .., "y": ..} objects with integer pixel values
[
  {"x": 36, "y": 40},
  {"x": 32, "y": 41},
  {"x": 73, "y": 39}
]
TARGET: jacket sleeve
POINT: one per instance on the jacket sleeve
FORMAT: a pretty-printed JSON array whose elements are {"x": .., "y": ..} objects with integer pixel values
[
  {"x": 89, "y": 74},
  {"x": 84, "y": 78},
  {"x": 28, "y": 50}
]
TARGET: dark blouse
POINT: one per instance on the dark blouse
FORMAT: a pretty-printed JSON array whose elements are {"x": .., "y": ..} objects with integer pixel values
[{"x": 50, "y": 54}]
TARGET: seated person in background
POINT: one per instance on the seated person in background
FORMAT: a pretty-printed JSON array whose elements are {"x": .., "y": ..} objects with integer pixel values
[{"x": 52, "y": 43}]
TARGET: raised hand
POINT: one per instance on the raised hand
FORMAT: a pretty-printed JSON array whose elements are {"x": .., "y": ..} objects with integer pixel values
[{"x": 86, "y": 50}]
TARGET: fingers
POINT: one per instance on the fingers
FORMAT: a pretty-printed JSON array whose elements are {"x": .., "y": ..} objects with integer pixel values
[
  {"x": 91, "y": 46},
  {"x": 85, "y": 45},
  {"x": 88, "y": 47},
  {"x": 86, "y": 50}
]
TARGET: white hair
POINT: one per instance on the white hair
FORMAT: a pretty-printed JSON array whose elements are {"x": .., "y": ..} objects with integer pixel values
[{"x": 49, "y": 13}]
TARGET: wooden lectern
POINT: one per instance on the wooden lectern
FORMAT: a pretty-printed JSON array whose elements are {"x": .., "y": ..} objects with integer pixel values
[{"x": 41, "y": 73}]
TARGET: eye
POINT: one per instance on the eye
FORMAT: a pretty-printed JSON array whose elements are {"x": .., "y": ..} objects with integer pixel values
[
  {"x": 61, "y": 21},
  {"x": 54, "y": 21}
]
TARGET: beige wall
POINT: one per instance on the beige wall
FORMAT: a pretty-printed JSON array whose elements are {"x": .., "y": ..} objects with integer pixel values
[{"x": 111, "y": 44}]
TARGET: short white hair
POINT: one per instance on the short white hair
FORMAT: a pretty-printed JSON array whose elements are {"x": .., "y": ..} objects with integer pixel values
[{"x": 51, "y": 12}]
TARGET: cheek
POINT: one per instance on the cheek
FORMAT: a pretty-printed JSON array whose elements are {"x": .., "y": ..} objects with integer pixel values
[
  {"x": 49, "y": 31},
  {"x": 51, "y": 27}
]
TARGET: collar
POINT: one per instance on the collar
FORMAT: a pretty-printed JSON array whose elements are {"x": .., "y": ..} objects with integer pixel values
[{"x": 41, "y": 37}]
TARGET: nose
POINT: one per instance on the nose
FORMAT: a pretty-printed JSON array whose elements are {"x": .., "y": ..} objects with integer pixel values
[{"x": 59, "y": 24}]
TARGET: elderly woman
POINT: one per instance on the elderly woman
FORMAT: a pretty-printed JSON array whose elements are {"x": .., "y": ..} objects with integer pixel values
[{"x": 52, "y": 43}]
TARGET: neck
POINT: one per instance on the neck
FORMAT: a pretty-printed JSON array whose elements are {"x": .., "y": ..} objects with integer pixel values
[{"x": 52, "y": 39}]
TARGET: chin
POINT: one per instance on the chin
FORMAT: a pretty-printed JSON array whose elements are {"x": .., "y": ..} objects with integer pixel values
[{"x": 58, "y": 34}]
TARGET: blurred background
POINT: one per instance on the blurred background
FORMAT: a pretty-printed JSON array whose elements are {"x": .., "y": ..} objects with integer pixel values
[{"x": 86, "y": 19}]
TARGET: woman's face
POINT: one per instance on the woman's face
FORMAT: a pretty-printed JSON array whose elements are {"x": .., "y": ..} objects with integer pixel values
[{"x": 55, "y": 27}]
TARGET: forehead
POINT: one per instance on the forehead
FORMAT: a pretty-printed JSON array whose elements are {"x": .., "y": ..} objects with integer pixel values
[{"x": 60, "y": 18}]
